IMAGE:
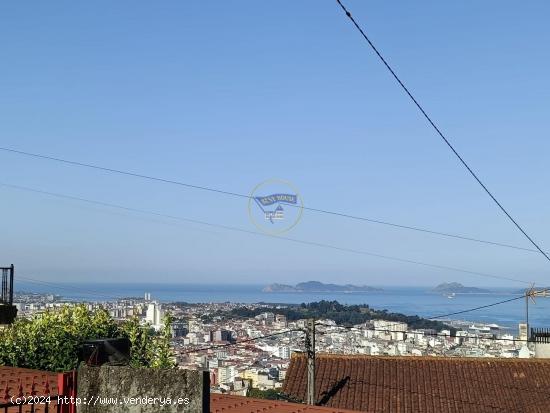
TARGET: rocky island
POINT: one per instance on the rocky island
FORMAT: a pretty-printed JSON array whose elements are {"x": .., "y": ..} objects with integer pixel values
[
  {"x": 318, "y": 287},
  {"x": 457, "y": 288}
]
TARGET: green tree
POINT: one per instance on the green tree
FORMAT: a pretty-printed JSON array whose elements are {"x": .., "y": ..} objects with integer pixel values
[
  {"x": 163, "y": 354},
  {"x": 51, "y": 340},
  {"x": 141, "y": 338},
  {"x": 342, "y": 314},
  {"x": 270, "y": 394}
]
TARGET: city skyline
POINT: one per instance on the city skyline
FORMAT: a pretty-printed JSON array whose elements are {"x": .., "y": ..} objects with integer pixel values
[
  {"x": 274, "y": 206},
  {"x": 296, "y": 97}
]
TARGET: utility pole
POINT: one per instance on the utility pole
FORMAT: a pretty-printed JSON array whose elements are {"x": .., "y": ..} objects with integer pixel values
[
  {"x": 527, "y": 295},
  {"x": 310, "y": 349}
]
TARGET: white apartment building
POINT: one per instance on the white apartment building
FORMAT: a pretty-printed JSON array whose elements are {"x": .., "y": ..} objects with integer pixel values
[
  {"x": 226, "y": 374},
  {"x": 154, "y": 315},
  {"x": 284, "y": 352}
]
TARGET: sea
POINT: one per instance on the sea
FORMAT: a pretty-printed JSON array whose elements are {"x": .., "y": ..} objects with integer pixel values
[{"x": 406, "y": 300}]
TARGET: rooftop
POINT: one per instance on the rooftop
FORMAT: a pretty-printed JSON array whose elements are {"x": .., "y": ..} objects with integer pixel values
[
  {"x": 15, "y": 378},
  {"x": 424, "y": 384},
  {"x": 16, "y": 381},
  {"x": 11, "y": 378},
  {"x": 238, "y": 404}
]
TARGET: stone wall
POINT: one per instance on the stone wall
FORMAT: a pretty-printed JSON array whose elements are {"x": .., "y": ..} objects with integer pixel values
[{"x": 123, "y": 389}]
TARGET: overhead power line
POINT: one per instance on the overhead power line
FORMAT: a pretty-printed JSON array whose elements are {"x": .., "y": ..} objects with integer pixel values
[
  {"x": 95, "y": 293},
  {"x": 419, "y": 229},
  {"x": 521, "y": 297},
  {"x": 239, "y": 195},
  {"x": 68, "y": 287},
  {"x": 248, "y": 340},
  {"x": 262, "y": 234},
  {"x": 484, "y": 382},
  {"x": 469, "y": 310},
  {"x": 427, "y": 334},
  {"x": 232, "y": 317},
  {"x": 439, "y": 132}
]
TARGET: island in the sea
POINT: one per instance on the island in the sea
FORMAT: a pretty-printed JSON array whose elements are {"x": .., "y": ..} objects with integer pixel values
[
  {"x": 317, "y": 287},
  {"x": 457, "y": 288}
]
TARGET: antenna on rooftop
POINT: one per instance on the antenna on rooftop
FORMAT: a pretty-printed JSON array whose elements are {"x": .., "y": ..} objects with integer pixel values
[{"x": 532, "y": 293}]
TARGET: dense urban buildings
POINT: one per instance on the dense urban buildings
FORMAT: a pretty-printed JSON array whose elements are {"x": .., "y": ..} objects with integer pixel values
[{"x": 255, "y": 352}]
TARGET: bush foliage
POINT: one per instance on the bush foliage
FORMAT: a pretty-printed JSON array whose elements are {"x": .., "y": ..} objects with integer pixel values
[{"x": 51, "y": 340}]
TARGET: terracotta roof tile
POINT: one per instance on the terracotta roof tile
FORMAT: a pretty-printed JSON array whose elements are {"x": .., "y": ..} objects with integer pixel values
[
  {"x": 221, "y": 403},
  {"x": 424, "y": 384},
  {"x": 12, "y": 380}
]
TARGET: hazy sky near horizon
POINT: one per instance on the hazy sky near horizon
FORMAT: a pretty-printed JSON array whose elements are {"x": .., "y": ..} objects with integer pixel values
[{"x": 228, "y": 94}]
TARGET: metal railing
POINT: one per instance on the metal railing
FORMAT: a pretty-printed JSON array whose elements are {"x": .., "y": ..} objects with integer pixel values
[
  {"x": 540, "y": 335},
  {"x": 6, "y": 285}
]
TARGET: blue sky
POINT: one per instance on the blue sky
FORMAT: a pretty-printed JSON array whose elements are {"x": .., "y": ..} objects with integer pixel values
[{"x": 228, "y": 94}]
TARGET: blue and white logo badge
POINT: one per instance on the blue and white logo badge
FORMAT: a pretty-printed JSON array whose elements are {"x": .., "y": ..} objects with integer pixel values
[{"x": 275, "y": 206}]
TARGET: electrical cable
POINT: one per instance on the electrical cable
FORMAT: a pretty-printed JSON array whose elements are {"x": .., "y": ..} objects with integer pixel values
[
  {"x": 235, "y": 194},
  {"x": 438, "y": 131},
  {"x": 272, "y": 236}
]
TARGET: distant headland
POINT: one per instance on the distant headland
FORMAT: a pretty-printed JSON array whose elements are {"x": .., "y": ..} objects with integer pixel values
[
  {"x": 317, "y": 287},
  {"x": 457, "y": 288}
]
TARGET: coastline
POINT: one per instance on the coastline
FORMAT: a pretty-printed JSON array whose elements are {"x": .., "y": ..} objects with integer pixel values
[{"x": 404, "y": 300}]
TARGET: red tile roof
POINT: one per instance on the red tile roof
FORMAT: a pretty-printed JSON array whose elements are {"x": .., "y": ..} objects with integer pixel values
[
  {"x": 221, "y": 403},
  {"x": 424, "y": 384},
  {"x": 15, "y": 380},
  {"x": 12, "y": 378}
]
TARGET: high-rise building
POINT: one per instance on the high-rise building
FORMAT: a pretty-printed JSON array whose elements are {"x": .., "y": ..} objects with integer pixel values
[
  {"x": 280, "y": 321},
  {"x": 523, "y": 333},
  {"x": 195, "y": 325},
  {"x": 222, "y": 335},
  {"x": 284, "y": 352},
  {"x": 179, "y": 328},
  {"x": 154, "y": 315},
  {"x": 226, "y": 374},
  {"x": 266, "y": 318}
]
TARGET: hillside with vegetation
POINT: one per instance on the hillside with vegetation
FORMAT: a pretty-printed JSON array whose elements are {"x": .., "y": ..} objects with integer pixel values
[
  {"x": 457, "y": 288},
  {"x": 346, "y": 315}
]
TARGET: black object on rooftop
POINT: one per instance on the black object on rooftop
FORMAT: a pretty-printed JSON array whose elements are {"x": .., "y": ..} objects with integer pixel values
[
  {"x": 112, "y": 351},
  {"x": 8, "y": 311},
  {"x": 6, "y": 288}
]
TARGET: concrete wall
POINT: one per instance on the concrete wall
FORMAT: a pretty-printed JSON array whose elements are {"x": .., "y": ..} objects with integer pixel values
[
  {"x": 542, "y": 350},
  {"x": 122, "y": 389}
]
